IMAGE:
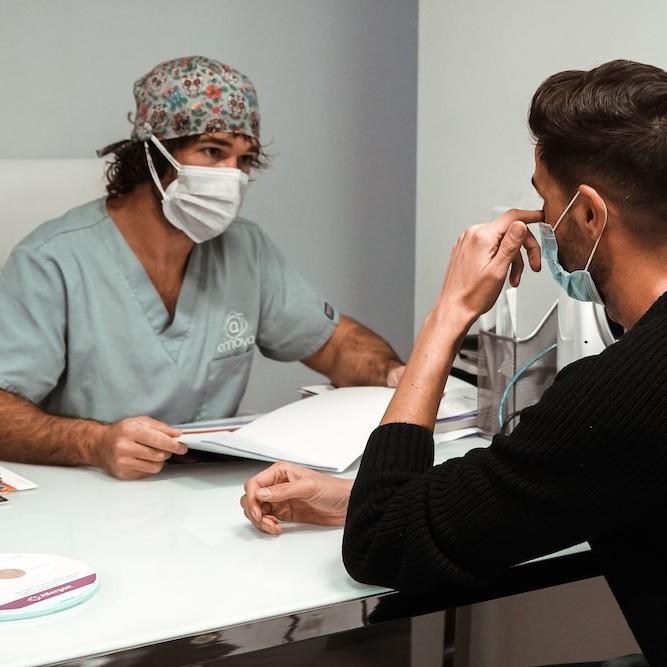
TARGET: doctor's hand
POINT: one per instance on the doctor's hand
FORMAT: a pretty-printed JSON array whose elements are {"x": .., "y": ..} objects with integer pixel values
[
  {"x": 482, "y": 257},
  {"x": 137, "y": 447},
  {"x": 394, "y": 376},
  {"x": 289, "y": 492}
]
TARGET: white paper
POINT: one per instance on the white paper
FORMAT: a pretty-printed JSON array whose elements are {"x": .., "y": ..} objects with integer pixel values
[
  {"x": 227, "y": 424},
  {"x": 13, "y": 482},
  {"x": 459, "y": 399},
  {"x": 451, "y": 436},
  {"x": 446, "y": 450},
  {"x": 328, "y": 430}
]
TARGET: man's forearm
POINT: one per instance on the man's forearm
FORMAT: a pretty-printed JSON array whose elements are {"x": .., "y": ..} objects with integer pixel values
[
  {"x": 419, "y": 392},
  {"x": 29, "y": 435},
  {"x": 363, "y": 358}
]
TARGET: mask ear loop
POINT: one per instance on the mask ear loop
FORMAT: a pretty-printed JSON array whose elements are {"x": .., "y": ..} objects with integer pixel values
[
  {"x": 595, "y": 247},
  {"x": 567, "y": 208},
  {"x": 151, "y": 166},
  {"x": 158, "y": 144}
]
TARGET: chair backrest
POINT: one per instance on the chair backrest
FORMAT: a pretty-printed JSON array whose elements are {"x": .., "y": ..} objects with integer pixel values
[{"x": 34, "y": 191}]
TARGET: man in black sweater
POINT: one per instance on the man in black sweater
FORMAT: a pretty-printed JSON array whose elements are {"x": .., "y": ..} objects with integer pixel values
[{"x": 589, "y": 461}]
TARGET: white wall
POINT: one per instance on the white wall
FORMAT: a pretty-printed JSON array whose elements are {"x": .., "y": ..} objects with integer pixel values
[
  {"x": 479, "y": 64},
  {"x": 337, "y": 90}
]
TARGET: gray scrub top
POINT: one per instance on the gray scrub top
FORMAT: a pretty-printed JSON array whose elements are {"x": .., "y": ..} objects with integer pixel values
[{"x": 84, "y": 333}]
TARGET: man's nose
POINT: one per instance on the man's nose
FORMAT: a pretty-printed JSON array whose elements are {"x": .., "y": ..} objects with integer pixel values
[{"x": 233, "y": 162}]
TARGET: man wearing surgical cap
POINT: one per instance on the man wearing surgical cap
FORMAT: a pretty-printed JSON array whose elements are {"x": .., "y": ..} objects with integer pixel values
[{"x": 152, "y": 300}]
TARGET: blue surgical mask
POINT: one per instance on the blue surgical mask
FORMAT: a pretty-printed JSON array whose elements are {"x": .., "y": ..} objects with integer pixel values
[{"x": 577, "y": 284}]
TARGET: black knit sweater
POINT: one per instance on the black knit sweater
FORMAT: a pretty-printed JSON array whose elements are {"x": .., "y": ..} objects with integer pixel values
[{"x": 587, "y": 463}]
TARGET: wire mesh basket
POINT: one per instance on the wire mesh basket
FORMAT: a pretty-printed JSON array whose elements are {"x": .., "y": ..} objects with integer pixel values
[{"x": 513, "y": 373}]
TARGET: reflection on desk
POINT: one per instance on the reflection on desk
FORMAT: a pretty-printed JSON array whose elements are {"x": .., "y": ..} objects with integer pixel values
[{"x": 178, "y": 563}]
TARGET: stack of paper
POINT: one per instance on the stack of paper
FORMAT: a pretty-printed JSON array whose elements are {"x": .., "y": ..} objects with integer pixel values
[
  {"x": 329, "y": 430},
  {"x": 216, "y": 425}
]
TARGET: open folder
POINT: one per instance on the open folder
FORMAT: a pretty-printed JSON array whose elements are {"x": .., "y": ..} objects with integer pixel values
[{"x": 327, "y": 431}]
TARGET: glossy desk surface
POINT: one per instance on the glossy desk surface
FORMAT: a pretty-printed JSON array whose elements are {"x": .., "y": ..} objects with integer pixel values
[{"x": 174, "y": 555}]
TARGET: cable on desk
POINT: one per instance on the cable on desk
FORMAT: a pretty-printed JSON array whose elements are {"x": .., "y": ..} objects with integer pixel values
[{"x": 515, "y": 378}]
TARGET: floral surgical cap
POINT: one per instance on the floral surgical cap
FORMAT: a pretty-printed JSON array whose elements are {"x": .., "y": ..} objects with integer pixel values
[{"x": 194, "y": 95}]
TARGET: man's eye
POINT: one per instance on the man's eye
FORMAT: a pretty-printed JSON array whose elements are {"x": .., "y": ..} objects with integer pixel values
[{"x": 213, "y": 152}]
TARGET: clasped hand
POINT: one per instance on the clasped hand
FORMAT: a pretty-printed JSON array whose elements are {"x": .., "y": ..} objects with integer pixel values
[{"x": 289, "y": 492}]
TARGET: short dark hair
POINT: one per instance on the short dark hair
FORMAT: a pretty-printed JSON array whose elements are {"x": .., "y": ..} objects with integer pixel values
[
  {"x": 129, "y": 168},
  {"x": 607, "y": 127}
]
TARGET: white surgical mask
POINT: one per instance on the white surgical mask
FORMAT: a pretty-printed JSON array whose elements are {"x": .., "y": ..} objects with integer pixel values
[
  {"x": 201, "y": 201},
  {"x": 578, "y": 284}
]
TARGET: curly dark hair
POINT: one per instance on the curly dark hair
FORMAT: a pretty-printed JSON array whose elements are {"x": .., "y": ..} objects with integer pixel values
[{"x": 129, "y": 168}]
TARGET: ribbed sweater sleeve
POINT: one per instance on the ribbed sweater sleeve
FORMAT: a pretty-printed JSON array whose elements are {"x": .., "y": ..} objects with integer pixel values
[{"x": 581, "y": 464}]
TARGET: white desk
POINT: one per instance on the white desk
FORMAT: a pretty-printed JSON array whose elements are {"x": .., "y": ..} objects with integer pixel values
[{"x": 178, "y": 563}]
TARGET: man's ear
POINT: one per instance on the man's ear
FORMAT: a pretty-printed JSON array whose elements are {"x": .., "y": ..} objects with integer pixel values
[{"x": 593, "y": 212}]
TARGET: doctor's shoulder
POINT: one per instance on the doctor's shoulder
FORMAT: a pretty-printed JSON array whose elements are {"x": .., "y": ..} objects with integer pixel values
[
  {"x": 48, "y": 257},
  {"x": 48, "y": 236}
]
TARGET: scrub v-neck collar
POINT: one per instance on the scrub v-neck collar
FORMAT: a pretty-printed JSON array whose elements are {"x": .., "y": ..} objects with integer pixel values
[{"x": 172, "y": 333}]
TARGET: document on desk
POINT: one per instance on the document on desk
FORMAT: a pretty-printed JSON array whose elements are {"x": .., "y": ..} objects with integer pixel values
[
  {"x": 457, "y": 411},
  {"x": 327, "y": 431},
  {"x": 11, "y": 481}
]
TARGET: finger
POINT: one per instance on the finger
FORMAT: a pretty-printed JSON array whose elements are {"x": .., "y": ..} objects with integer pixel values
[
  {"x": 244, "y": 505},
  {"x": 516, "y": 270},
  {"x": 161, "y": 426},
  {"x": 129, "y": 475},
  {"x": 148, "y": 467},
  {"x": 394, "y": 376},
  {"x": 251, "y": 506},
  {"x": 246, "y": 510},
  {"x": 268, "y": 477},
  {"x": 145, "y": 453},
  {"x": 267, "y": 524},
  {"x": 253, "y": 511},
  {"x": 510, "y": 246},
  {"x": 147, "y": 435},
  {"x": 272, "y": 527},
  {"x": 533, "y": 251},
  {"x": 300, "y": 489},
  {"x": 525, "y": 215}
]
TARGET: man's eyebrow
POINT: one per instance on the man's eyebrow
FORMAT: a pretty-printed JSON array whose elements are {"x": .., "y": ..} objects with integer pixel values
[
  {"x": 209, "y": 139},
  {"x": 534, "y": 184},
  {"x": 214, "y": 140}
]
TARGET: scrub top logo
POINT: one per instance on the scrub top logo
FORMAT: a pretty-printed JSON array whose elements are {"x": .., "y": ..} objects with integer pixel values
[{"x": 236, "y": 325}]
